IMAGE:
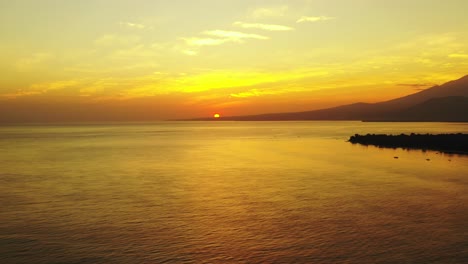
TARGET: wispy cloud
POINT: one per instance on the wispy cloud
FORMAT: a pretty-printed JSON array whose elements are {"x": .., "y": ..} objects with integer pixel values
[
  {"x": 111, "y": 40},
  {"x": 204, "y": 41},
  {"x": 276, "y": 11},
  {"x": 257, "y": 92},
  {"x": 17, "y": 94},
  {"x": 132, "y": 25},
  {"x": 268, "y": 27},
  {"x": 44, "y": 87},
  {"x": 219, "y": 37},
  {"x": 41, "y": 88},
  {"x": 314, "y": 19},
  {"x": 233, "y": 35},
  {"x": 458, "y": 56},
  {"x": 33, "y": 61},
  {"x": 190, "y": 52},
  {"x": 416, "y": 85}
]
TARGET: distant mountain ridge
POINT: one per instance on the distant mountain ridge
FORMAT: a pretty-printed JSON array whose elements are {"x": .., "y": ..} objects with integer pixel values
[
  {"x": 447, "y": 102},
  {"x": 447, "y": 109},
  {"x": 453, "y": 88}
]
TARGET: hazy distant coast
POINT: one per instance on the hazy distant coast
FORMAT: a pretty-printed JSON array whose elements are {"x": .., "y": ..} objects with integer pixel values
[
  {"x": 445, "y": 103},
  {"x": 449, "y": 143}
]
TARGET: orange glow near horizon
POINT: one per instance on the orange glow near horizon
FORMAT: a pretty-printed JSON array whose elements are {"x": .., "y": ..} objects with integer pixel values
[
  {"x": 216, "y": 115},
  {"x": 163, "y": 60}
]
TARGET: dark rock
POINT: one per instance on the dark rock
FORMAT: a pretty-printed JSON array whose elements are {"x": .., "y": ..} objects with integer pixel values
[{"x": 449, "y": 143}]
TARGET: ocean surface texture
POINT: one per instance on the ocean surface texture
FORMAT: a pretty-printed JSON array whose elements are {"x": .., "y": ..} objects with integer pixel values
[{"x": 228, "y": 192}]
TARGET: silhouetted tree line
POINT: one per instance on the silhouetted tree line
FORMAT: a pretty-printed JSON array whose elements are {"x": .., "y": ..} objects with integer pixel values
[{"x": 443, "y": 142}]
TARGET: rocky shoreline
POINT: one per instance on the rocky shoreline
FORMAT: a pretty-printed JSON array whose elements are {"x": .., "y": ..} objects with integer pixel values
[{"x": 448, "y": 143}]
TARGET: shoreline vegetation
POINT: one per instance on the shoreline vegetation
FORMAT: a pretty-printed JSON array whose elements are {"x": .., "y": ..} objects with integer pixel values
[{"x": 447, "y": 143}]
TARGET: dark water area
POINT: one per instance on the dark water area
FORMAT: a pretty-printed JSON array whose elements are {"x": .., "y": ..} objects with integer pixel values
[{"x": 229, "y": 192}]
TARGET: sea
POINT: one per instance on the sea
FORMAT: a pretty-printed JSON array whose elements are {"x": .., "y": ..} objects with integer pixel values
[{"x": 229, "y": 192}]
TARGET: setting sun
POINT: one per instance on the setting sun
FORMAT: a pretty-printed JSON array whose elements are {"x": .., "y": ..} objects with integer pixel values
[
  {"x": 257, "y": 131},
  {"x": 247, "y": 57}
]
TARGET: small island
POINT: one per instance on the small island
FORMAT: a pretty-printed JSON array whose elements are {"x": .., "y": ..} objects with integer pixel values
[{"x": 448, "y": 143}]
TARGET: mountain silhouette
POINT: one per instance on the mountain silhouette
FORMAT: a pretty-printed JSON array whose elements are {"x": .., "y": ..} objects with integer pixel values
[
  {"x": 447, "y": 102},
  {"x": 453, "y": 88},
  {"x": 450, "y": 109}
]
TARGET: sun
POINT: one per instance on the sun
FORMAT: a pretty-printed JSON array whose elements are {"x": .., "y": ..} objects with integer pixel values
[{"x": 216, "y": 115}]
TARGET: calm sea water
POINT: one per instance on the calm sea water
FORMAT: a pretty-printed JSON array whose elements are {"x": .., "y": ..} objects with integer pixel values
[{"x": 228, "y": 192}]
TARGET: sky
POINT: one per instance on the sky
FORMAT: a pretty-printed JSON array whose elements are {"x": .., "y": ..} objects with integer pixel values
[{"x": 142, "y": 60}]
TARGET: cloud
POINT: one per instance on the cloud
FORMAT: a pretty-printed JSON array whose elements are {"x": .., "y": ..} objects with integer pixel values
[
  {"x": 417, "y": 86},
  {"x": 17, "y": 94},
  {"x": 54, "y": 85},
  {"x": 256, "y": 93},
  {"x": 314, "y": 19},
  {"x": 129, "y": 53},
  {"x": 33, "y": 61},
  {"x": 458, "y": 56},
  {"x": 277, "y": 11},
  {"x": 190, "y": 52},
  {"x": 222, "y": 36},
  {"x": 111, "y": 40},
  {"x": 204, "y": 41},
  {"x": 42, "y": 88},
  {"x": 240, "y": 79},
  {"x": 268, "y": 27},
  {"x": 132, "y": 25},
  {"x": 234, "y": 35}
]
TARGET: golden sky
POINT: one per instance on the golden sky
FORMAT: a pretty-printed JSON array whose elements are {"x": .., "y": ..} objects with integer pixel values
[{"x": 153, "y": 59}]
